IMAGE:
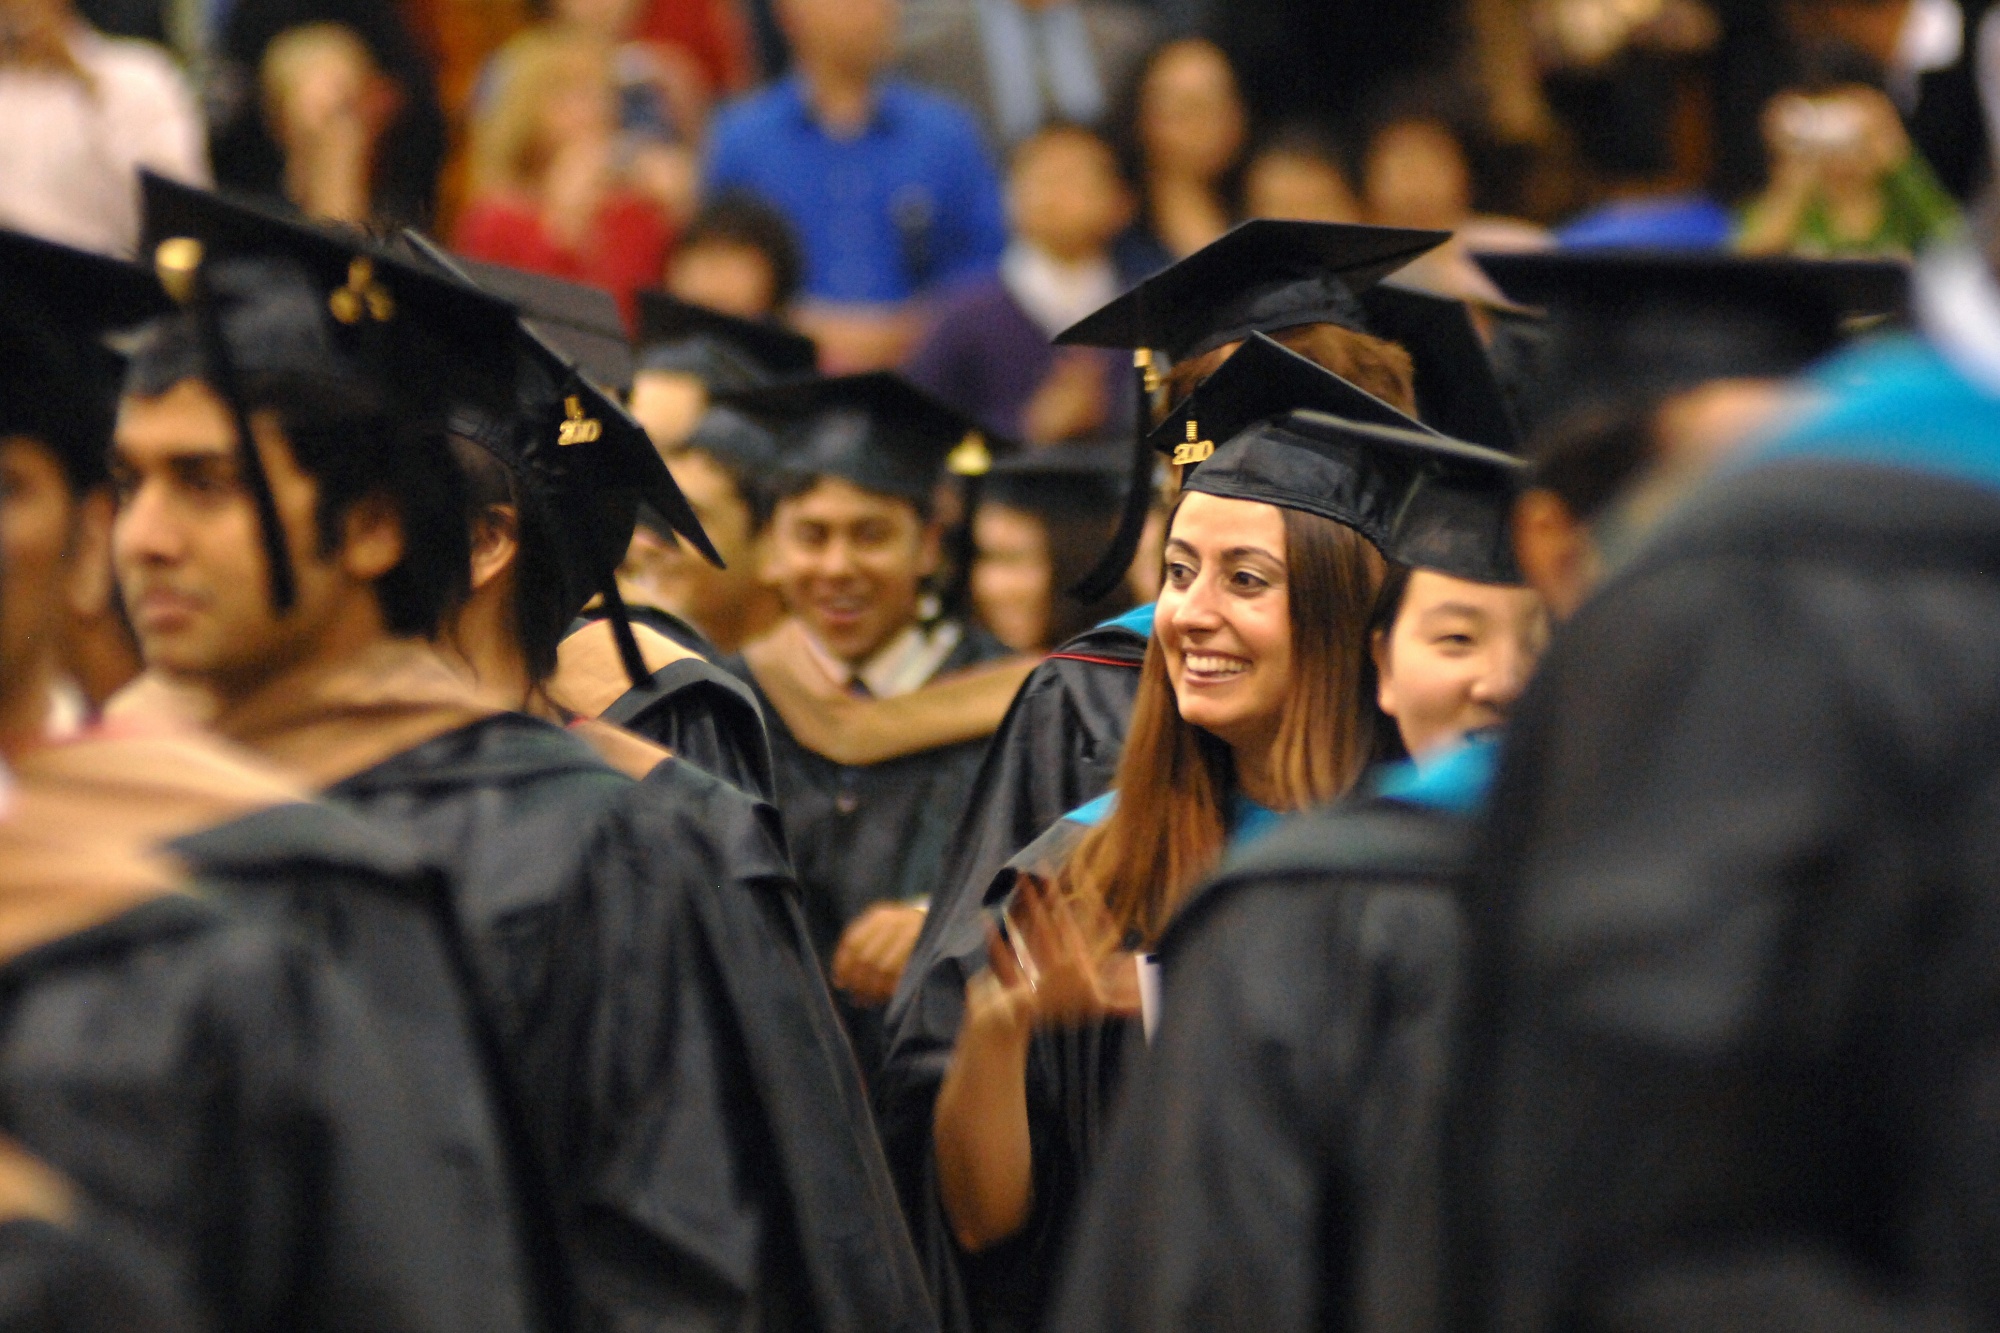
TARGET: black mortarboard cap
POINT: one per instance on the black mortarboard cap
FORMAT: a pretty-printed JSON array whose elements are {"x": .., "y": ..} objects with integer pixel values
[
  {"x": 273, "y": 296},
  {"x": 876, "y": 430},
  {"x": 1082, "y": 478},
  {"x": 736, "y": 438},
  {"x": 1458, "y": 392},
  {"x": 590, "y": 462},
  {"x": 1424, "y": 500},
  {"x": 1264, "y": 379},
  {"x": 582, "y": 323},
  {"x": 1264, "y": 275},
  {"x": 725, "y": 352},
  {"x": 58, "y": 380},
  {"x": 1627, "y": 325}
]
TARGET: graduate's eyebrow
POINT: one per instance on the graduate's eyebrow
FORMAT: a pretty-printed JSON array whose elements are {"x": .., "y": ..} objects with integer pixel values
[
  {"x": 1465, "y": 609},
  {"x": 1232, "y": 553}
]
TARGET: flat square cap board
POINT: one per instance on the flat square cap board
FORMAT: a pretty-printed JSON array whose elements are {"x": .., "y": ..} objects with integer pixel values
[
  {"x": 58, "y": 379},
  {"x": 1625, "y": 324},
  {"x": 673, "y": 332},
  {"x": 1263, "y": 276},
  {"x": 592, "y": 459},
  {"x": 415, "y": 320},
  {"x": 583, "y": 323}
]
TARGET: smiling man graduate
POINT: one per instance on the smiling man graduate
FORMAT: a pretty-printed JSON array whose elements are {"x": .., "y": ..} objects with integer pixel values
[{"x": 854, "y": 540}]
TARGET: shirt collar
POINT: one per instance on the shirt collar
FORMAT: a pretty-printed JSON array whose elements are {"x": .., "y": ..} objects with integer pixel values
[
  {"x": 901, "y": 666},
  {"x": 1053, "y": 294},
  {"x": 880, "y": 105}
]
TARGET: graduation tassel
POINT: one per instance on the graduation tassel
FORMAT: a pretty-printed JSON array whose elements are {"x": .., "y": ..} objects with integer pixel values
[
  {"x": 970, "y": 460},
  {"x": 178, "y": 262},
  {"x": 621, "y": 630},
  {"x": 1117, "y": 558}
]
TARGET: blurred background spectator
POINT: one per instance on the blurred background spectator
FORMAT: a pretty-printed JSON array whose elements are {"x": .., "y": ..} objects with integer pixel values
[
  {"x": 547, "y": 193},
  {"x": 663, "y": 99},
  {"x": 989, "y": 353},
  {"x": 1299, "y": 172},
  {"x": 1845, "y": 179},
  {"x": 225, "y": 43},
  {"x": 1927, "y": 55},
  {"x": 1188, "y": 129},
  {"x": 80, "y": 113},
  {"x": 1422, "y": 167},
  {"x": 889, "y": 187},
  {"x": 738, "y": 256},
  {"x": 326, "y": 105},
  {"x": 1020, "y": 64}
]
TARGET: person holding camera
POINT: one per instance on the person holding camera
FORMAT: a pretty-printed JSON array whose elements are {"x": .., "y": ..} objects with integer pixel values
[{"x": 1844, "y": 176}]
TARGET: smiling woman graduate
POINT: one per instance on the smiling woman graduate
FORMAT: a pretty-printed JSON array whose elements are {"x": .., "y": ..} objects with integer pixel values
[{"x": 1254, "y": 699}]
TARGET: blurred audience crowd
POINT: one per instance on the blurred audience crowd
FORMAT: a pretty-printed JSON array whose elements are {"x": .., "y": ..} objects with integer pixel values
[{"x": 938, "y": 185}]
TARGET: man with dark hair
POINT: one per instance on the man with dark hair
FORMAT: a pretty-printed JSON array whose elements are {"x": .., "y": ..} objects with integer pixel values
[
  {"x": 629, "y": 949},
  {"x": 889, "y": 186},
  {"x": 853, "y": 544},
  {"x": 221, "y": 1041}
]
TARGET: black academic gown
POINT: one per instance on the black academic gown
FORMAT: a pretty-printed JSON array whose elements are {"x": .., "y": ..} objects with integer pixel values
[
  {"x": 702, "y": 1124},
  {"x": 1072, "y": 1082},
  {"x": 696, "y": 709},
  {"x": 865, "y": 835},
  {"x": 1273, "y": 1164},
  {"x": 1056, "y": 750},
  {"x": 219, "y": 1093},
  {"x": 82, "y": 1278},
  {"x": 1730, "y": 1051},
  {"x": 361, "y": 895}
]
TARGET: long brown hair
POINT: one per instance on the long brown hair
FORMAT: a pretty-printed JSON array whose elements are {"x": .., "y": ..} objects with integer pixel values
[{"x": 1174, "y": 779}]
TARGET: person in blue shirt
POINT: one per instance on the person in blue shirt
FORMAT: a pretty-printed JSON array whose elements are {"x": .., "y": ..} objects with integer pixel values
[{"x": 890, "y": 187}]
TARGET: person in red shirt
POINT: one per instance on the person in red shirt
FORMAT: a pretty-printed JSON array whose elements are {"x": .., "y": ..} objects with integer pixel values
[{"x": 548, "y": 194}]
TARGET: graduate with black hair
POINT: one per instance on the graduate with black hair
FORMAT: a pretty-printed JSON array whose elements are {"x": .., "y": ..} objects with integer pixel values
[
  {"x": 648, "y": 1084},
  {"x": 857, "y": 547},
  {"x": 577, "y": 502},
  {"x": 360, "y": 897}
]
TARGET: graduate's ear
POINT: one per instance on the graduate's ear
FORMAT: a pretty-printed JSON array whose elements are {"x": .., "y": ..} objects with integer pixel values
[
  {"x": 1385, "y": 685},
  {"x": 90, "y": 576},
  {"x": 1555, "y": 551},
  {"x": 372, "y": 535},
  {"x": 496, "y": 541}
]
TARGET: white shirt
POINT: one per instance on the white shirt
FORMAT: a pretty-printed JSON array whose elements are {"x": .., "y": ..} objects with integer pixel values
[
  {"x": 1056, "y": 295},
  {"x": 70, "y": 154},
  {"x": 901, "y": 666}
]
